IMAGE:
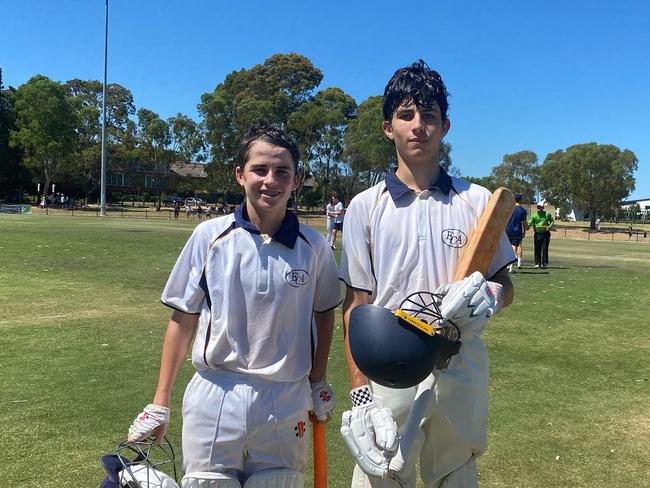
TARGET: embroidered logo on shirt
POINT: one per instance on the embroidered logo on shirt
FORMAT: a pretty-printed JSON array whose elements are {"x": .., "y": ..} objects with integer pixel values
[
  {"x": 297, "y": 277},
  {"x": 324, "y": 396},
  {"x": 454, "y": 238},
  {"x": 300, "y": 429}
]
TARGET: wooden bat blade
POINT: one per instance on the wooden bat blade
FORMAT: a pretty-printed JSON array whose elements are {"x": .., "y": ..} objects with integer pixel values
[
  {"x": 484, "y": 241},
  {"x": 320, "y": 453}
]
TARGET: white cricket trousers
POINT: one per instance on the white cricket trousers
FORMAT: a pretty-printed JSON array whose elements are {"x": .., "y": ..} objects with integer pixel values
[{"x": 240, "y": 424}]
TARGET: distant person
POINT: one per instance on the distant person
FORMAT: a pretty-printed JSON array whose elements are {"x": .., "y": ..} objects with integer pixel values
[
  {"x": 334, "y": 211},
  {"x": 177, "y": 210},
  {"x": 199, "y": 211},
  {"x": 516, "y": 230},
  {"x": 541, "y": 222},
  {"x": 598, "y": 224},
  {"x": 256, "y": 292},
  {"x": 188, "y": 210},
  {"x": 629, "y": 232},
  {"x": 338, "y": 223}
]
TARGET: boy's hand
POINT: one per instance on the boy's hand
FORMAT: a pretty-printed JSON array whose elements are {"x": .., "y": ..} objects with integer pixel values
[
  {"x": 470, "y": 299},
  {"x": 322, "y": 397},
  {"x": 152, "y": 420},
  {"x": 369, "y": 433}
]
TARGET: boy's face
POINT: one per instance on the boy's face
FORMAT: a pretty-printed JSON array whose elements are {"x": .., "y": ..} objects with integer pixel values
[
  {"x": 268, "y": 177},
  {"x": 417, "y": 132}
]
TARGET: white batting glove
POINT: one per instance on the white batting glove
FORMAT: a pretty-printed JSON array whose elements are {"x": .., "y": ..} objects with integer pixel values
[
  {"x": 152, "y": 417},
  {"x": 322, "y": 397},
  {"x": 369, "y": 432},
  {"x": 470, "y": 299}
]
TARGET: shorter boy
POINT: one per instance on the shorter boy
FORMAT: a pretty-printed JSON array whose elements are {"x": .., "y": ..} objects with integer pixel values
[{"x": 256, "y": 290}]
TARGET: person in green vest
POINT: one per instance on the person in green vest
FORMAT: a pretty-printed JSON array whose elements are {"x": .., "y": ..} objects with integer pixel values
[{"x": 541, "y": 223}]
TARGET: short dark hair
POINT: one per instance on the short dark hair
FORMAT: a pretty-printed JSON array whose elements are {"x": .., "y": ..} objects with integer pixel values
[
  {"x": 418, "y": 83},
  {"x": 271, "y": 134}
]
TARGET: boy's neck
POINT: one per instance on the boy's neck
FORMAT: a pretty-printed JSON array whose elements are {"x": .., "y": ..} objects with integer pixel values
[
  {"x": 417, "y": 176},
  {"x": 266, "y": 222}
]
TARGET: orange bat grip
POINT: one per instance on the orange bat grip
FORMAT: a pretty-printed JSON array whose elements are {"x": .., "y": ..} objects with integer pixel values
[{"x": 320, "y": 454}]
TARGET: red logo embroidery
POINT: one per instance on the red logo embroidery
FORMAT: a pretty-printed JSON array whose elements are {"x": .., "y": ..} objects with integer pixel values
[
  {"x": 324, "y": 395},
  {"x": 300, "y": 429},
  {"x": 144, "y": 416}
]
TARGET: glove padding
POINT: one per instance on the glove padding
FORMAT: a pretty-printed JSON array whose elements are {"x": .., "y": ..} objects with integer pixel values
[
  {"x": 152, "y": 417},
  {"x": 470, "y": 299},
  {"x": 322, "y": 397},
  {"x": 370, "y": 433}
]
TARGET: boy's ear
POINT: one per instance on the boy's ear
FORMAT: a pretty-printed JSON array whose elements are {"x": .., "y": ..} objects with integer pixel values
[
  {"x": 388, "y": 129},
  {"x": 446, "y": 124},
  {"x": 296, "y": 181},
  {"x": 238, "y": 175}
]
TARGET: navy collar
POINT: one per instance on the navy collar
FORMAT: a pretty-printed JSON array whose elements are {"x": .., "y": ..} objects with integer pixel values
[
  {"x": 286, "y": 234},
  {"x": 398, "y": 189}
]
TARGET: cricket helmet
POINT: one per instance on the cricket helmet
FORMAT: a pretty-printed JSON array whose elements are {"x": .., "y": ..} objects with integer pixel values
[
  {"x": 140, "y": 464},
  {"x": 400, "y": 349}
]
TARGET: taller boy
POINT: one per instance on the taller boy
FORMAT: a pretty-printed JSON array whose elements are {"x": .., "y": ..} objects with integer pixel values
[{"x": 404, "y": 235}]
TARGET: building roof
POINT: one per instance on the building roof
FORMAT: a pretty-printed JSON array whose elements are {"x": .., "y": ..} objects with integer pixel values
[{"x": 190, "y": 170}]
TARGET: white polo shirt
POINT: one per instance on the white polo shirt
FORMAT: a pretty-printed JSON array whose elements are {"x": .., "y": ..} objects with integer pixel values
[
  {"x": 398, "y": 242},
  {"x": 255, "y": 298}
]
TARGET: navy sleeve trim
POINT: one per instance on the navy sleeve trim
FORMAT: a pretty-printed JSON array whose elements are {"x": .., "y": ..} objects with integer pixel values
[
  {"x": 331, "y": 308},
  {"x": 501, "y": 269},
  {"x": 355, "y": 287},
  {"x": 176, "y": 308}
]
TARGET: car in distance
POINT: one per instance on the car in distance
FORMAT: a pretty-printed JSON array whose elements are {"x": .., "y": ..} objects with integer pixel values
[
  {"x": 169, "y": 201},
  {"x": 194, "y": 201}
]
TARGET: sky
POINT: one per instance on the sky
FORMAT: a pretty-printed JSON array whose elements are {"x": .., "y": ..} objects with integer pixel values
[{"x": 537, "y": 76}]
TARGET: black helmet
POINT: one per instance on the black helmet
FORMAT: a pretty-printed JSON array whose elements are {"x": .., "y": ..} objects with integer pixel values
[{"x": 399, "y": 350}]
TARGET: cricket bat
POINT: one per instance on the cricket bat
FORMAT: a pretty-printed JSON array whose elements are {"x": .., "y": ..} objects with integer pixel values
[
  {"x": 477, "y": 256},
  {"x": 319, "y": 453}
]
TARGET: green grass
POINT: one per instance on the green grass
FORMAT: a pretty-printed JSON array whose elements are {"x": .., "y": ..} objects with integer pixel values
[{"x": 81, "y": 329}]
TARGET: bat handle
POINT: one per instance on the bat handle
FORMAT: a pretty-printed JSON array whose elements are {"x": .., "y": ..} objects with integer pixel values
[{"x": 320, "y": 454}]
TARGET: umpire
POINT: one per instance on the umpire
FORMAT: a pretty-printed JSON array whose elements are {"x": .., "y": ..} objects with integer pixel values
[{"x": 541, "y": 223}]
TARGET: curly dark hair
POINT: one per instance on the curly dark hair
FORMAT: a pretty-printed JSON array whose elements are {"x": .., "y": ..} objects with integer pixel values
[
  {"x": 417, "y": 83},
  {"x": 271, "y": 134}
]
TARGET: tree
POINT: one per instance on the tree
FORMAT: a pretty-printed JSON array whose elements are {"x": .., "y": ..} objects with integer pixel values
[
  {"x": 45, "y": 127},
  {"x": 12, "y": 174},
  {"x": 485, "y": 181},
  {"x": 87, "y": 96},
  {"x": 368, "y": 155},
  {"x": 518, "y": 172},
  {"x": 444, "y": 158},
  {"x": 320, "y": 125},
  {"x": 269, "y": 92},
  {"x": 593, "y": 177}
]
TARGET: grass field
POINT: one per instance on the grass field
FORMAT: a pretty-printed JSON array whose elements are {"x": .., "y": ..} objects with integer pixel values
[{"x": 81, "y": 330}]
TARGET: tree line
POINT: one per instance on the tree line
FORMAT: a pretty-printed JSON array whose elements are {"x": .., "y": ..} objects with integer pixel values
[{"x": 51, "y": 131}]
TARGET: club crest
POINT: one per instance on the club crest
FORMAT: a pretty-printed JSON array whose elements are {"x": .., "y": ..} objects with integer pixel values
[
  {"x": 454, "y": 238},
  {"x": 297, "y": 277}
]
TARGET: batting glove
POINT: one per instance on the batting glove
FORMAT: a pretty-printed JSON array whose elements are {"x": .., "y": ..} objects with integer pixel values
[
  {"x": 470, "y": 299},
  {"x": 322, "y": 397},
  {"x": 152, "y": 417}
]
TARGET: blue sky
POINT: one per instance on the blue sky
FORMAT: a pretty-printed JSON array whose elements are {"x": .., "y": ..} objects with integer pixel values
[{"x": 522, "y": 75}]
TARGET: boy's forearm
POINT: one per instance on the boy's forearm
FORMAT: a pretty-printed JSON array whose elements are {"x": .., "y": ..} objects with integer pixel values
[
  {"x": 179, "y": 335},
  {"x": 503, "y": 278},
  {"x": 324, "y": 332},
  {"x": 353, "y": 299}
]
